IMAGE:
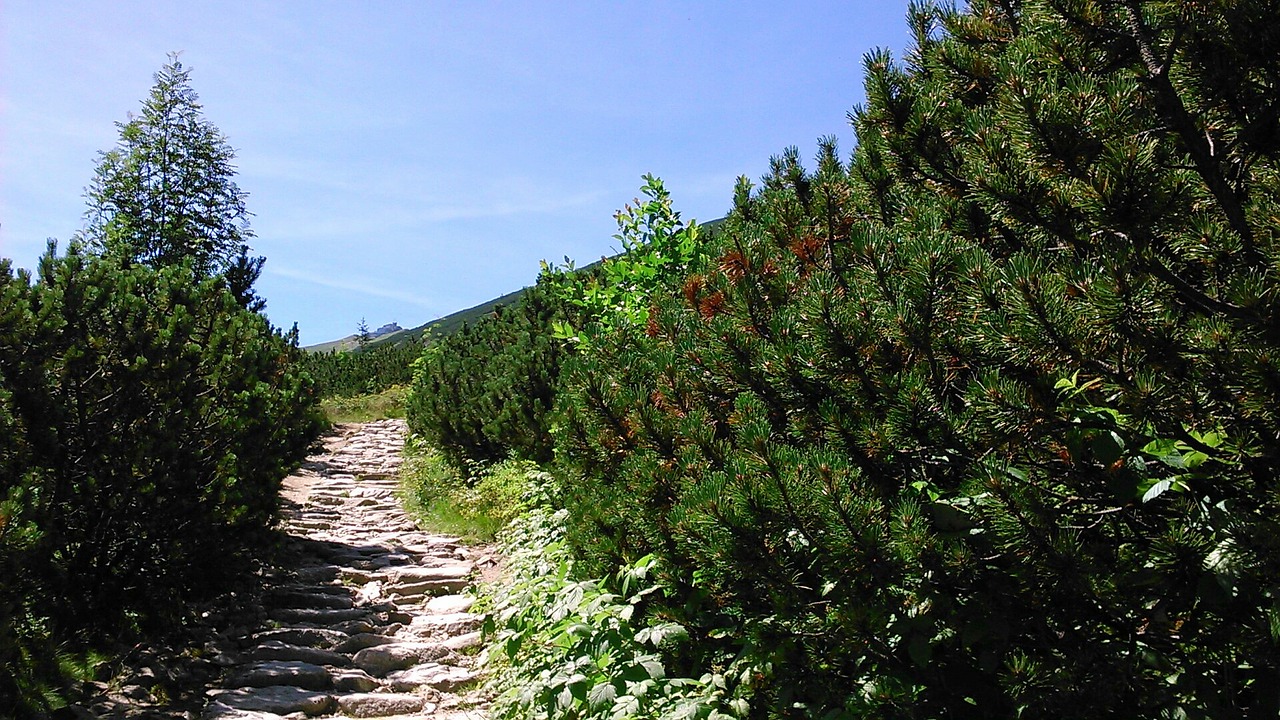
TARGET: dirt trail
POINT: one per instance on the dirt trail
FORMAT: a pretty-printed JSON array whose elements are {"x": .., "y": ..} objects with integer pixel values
[
  {"x": 365, "y": 617},
  {"x": 370, "y": 620}
]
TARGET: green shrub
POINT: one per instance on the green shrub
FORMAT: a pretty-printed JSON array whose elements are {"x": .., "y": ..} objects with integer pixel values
[
  {"x": 559, "y": 646},
  {"x": 368, "y": 371},
  {"x": 149, "y": 421},
  {"x": 982, "y": 423},
  {"x": 485, "y": 392}
]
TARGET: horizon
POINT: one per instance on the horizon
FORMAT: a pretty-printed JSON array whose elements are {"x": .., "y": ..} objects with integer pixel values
[{"x": 404, "y": 162}]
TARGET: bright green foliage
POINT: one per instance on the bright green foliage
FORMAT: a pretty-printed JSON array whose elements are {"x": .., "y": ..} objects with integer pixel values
[
  {"x": 561, "y": 647},
  {"x": 485, "y": 392},
  {"x": 148, "y": 422},
  {"x": 165, "y": 195},
  {"x": 345, "y": 373},
  {"x": 984, "y": 422},
  {"x": 657, "y": 250},
  {"x": 475, "y": 506},
  {"x": 365, "y": 408}
]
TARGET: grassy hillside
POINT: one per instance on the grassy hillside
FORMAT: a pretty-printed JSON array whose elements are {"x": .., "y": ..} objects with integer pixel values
[{"x": 444, "y": 326}]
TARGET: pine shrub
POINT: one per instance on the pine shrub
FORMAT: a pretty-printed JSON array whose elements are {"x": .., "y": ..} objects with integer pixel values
[
  {"x": 982, "y": 422},
  {"x": 149, "y": 419}
]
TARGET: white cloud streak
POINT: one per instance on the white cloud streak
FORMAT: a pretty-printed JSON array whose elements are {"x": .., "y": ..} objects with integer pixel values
[{"x": 358, "y": 285}]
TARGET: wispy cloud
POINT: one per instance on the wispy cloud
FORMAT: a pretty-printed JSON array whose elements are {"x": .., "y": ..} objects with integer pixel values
[{"x": 359, "y": 285}]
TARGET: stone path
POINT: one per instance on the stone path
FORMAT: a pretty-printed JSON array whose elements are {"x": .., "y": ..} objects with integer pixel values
[{"x": 369, "y": 620}]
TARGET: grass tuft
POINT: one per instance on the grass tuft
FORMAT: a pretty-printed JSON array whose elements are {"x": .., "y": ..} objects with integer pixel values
[
  {"x": 363, "y": 408},
  {"x": 474, "y": 506}
]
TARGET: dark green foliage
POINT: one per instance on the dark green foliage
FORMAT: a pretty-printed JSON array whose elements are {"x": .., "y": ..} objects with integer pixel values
[
  {"x": 984, "y": 422},
  {"x": 148, "y": 421},
  {"x": 485, "y": 392},
  {"x": 343, "y": 373},
  {"x": 166, "y": 195}
]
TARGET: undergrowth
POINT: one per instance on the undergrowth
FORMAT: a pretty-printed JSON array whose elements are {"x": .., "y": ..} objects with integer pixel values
[
  {"x": 563, "y": 647},
  {"x": 363, "y": 408},
  {"x": 475, "y": 506}
]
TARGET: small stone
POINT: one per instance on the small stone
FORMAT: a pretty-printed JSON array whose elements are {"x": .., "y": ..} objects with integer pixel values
[
  {"x": 354, "y": 681},
  {"x": 135, "y": 692},
  {"x": 365, "y": 705}
]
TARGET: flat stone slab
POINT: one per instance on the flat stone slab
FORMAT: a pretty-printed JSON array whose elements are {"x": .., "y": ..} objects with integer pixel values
[
  {"x": 360, "y": 641},
  {"x": 309, "y": 637},
  {"x": 316, "y": 616},
  {"x": 354, "y": 680},
  {"x": 218, "y": 711},
  {"x": 420, "y": 588},
  {"x": 445, "y": 604},
  {"x": 366, "y": 705},
  {"x": 276, "y": 650},
  {"x": 282, "y": 672},
  {"x": 419, "y": 573},
  {"x": 435, "y": 675},
  {"x": 446, "y": 624},
  {"x": 382, "y": 659},
  {"x": 463, "y": 642},
  {"x": 279, "y": 699}
]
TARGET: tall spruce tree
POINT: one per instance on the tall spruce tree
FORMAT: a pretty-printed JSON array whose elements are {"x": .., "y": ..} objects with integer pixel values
[{"x": 166, "y": 195}]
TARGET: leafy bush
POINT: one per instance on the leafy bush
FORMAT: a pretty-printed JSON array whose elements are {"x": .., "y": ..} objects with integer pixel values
[{"x": 561, "y": 647}]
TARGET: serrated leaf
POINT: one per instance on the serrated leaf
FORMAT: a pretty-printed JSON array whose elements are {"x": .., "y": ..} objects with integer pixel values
[{"x": 601, "y": 696}]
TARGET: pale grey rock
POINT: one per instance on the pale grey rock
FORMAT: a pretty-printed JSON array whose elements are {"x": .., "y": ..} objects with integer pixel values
[
  {"x": 276, "y": 650},
  {"x": 446, "y": 624},
  {"x": 366, "y": 705},
  {"x": 433, "y": 675},
  {"x": 279, "y": 699},
  {"x": 282, "y": 672},
  {"x": 446, "y": 604},
  {"x": 463, "y": 642},
  {"x": 382, "y": 659},
  {"x": 450, "y": 571}
]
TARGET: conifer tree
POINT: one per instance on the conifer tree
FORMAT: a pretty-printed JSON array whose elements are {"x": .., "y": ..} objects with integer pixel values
[{"x": 166, "y": 194}]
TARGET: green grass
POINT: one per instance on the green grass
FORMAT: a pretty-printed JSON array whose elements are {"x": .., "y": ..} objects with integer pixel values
[
  {"x": 473, "y": 507},
  {"x": 362, "y": 408}
]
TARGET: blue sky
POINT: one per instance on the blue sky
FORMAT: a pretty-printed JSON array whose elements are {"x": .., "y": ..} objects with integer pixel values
[{"x": 407, "y": 159}]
